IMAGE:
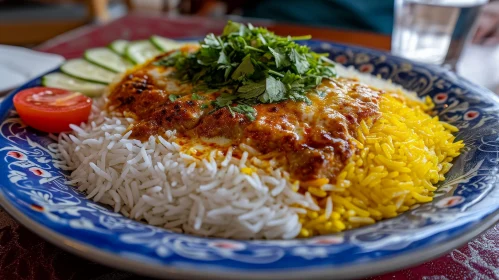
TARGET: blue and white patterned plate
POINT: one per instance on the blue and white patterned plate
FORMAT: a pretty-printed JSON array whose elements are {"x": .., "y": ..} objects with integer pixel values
[{"x": 33, "y": 191}]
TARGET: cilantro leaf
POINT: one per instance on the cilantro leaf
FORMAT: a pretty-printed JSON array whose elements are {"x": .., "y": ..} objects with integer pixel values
[
  {"x": 300, "y": 62},
  {"x": 251, "y": 89},
  {"x": 196, "y": 96},
  {"x": 170, "y": 60},
  {"x": 173, "y": 97},
  {"x": 245, "y": 68},
  {"x": 212, "y": 41},
  {"x": 280, "y": 59},
  {"x": 246, "y": 110},
  {"x": 223, "y": 59},
  {"x": 231, "y": 27},
  {"x": 320, "y": 93},
  {"x": 274, "y": 90},
  {"x": 224, "y": 100}
]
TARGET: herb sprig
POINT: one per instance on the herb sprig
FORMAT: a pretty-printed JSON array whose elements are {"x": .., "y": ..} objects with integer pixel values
[{"x": 255, "y": 64}]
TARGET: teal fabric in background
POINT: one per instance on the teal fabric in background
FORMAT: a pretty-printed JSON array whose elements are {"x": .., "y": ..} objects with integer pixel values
[{"x": 367, "y": 15}]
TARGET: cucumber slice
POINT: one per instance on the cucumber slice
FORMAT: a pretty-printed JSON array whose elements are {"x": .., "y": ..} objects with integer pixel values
[
  {"x": 87, "y": 71},
  {"x": 119, "y": 46},
  {"x": 60, "y": 80},
  {"x": 141, "y": 51},
  {"x": 164, "y": 44},
  {"x": 107, "y": 59}
]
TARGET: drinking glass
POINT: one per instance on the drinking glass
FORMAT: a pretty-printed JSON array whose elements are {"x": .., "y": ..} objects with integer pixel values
[{"x": 433, "y": 31}]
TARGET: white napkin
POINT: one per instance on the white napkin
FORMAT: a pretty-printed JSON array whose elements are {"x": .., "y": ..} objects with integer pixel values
[{"x": 19, "y": 65}]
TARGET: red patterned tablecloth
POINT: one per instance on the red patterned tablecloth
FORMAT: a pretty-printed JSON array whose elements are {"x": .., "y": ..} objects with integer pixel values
[{"x": 24, "y": 255}]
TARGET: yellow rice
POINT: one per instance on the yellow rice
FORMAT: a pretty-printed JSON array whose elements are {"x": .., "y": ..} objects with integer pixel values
[{"x": 401, "y": 157}]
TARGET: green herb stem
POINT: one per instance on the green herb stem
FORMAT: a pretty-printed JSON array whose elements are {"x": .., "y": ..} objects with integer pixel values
[
  {"x": 270, "y": 71},
  {"x": 253, "y": 49},
  {"x": 301, "y": 38}
]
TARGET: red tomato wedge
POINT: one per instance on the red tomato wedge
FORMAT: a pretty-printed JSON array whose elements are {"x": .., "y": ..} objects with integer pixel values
[{"x": 52, "y": 109}]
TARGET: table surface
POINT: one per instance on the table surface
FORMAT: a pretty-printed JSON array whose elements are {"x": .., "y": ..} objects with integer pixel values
[{"x": 24, "y": 255}]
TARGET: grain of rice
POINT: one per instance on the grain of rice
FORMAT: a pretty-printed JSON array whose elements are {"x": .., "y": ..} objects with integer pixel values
[
  {"x": 244, "y": 157},
  {"x": 329, "y": 207},
  {"x": 117, "y": 200}
]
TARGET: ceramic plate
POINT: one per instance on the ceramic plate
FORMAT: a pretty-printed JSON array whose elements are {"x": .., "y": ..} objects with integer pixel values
[{"x": 33, "y": 191}]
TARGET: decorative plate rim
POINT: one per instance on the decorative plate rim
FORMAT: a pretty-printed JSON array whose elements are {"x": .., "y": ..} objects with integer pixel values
[{"x": 92, "y": 252}]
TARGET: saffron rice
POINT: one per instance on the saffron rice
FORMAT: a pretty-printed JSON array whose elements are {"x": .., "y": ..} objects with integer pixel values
[{"x": 401, "y": 157}]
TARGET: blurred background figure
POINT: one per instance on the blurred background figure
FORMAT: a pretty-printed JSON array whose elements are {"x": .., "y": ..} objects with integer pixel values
[
  {"x": 488, "y": 25},
  {"x": 375, "y": 16}
]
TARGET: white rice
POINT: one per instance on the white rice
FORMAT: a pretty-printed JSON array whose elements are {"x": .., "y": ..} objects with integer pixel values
[
  {"x": 157, "y": 183},
  {"x": 371, "y": 80}
]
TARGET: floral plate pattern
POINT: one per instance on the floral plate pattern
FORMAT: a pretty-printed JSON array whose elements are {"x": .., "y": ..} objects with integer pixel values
[{"x": 33, "y": 190}]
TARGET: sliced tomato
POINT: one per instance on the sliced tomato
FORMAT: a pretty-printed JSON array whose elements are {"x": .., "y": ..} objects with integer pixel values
[{"x": 52, "y": 109}]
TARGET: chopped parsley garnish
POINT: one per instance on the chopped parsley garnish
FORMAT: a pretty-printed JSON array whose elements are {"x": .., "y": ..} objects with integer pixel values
[
  {"x": 244, "y": 109},
  {"x": 173, "y": 97},
  {"x": 255, "y": 64},
  {"x": 196, "y": 96}
]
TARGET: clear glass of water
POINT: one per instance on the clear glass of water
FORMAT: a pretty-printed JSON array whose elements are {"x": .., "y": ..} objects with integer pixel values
[{"x": 433, "y": 31}]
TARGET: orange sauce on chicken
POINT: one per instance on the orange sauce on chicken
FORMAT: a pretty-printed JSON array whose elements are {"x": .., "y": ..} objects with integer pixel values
[{"x": 316, "y": 139}]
